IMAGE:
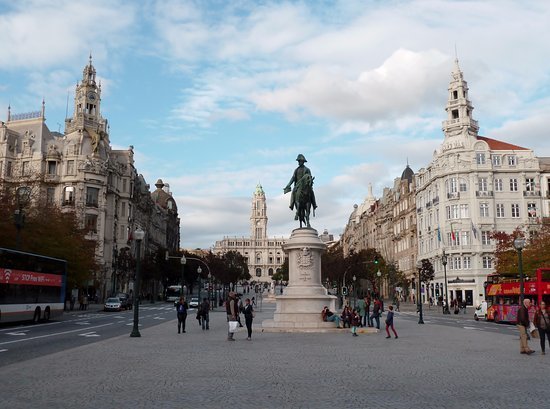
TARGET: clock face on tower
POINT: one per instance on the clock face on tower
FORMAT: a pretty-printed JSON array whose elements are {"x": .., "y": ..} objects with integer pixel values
[{"x": 91, "y": 96}]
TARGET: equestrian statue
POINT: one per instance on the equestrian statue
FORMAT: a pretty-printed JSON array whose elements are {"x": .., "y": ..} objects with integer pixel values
[{"x": 302, "y": 197}]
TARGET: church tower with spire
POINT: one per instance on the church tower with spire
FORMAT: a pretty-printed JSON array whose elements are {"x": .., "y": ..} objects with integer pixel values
[
  {"x": 87, "y": 120},
  {"x": 258, "y": 215},
  {"x": 460, "y": 129}
]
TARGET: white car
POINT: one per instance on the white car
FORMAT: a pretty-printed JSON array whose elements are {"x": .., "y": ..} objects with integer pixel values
[
  {"x": 113, "y": 304},
  {"x": 194, "y": 303}
]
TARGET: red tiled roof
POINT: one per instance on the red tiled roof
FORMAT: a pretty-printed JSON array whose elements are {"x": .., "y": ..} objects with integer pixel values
[{"x": 496, "y": 145}]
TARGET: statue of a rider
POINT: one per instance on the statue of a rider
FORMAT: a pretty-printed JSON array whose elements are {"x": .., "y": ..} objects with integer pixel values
[{"x": 299, "y": 178}]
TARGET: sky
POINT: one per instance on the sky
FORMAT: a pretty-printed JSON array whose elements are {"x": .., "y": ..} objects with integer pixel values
[{"x": 217, "y": 97}]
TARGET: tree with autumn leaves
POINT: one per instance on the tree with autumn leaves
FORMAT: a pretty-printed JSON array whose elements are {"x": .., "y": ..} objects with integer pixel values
[
  {"x": 536, "y": 253},
  {"x": 48, "y": 231}
]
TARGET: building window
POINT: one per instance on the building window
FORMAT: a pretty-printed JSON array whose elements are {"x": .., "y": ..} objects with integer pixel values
[
  {"x": 530, "y": 184},
  {"x": 270, "y": 259},
  {"x": 92, "y": 196},
  {"x": 512, "y": 160},
  {"x": 500, "y": 210},
  {"x": 515, "y": 210},
  {"x": 513, "y": 185},
  {"x": 486, "y": 238},
  {"x": 465, "y": 238},
  {"x": 258, "y": 272},
  {"x": 531, "y": 209},
  {"x": 68, "y": 195},
  {"x": 457, "y": 263},
  {"x": 466, "y": 262},
  {"x": 487, "y": 262},
  {"x": 270, "y": 272},
  {"x": 463, "y": 185},
  {"x": 124, "y": 185},
  {"x": 91, "y": 223},
  {"x": 25, "y": 171},
  {"x": 70, "y": 167},
  {"x": 484, "y": 209},
  {"x": 498, "y": 185},
  {"x": 496, "y": 160},
  {"x": 454, "y": 113},
  {"x": 483, "y": 185},
  {"x": 50, "y": 195},
  {"x": 464, "y": 211},
  {"x": 52, "y": 167},
  {"x": 480, "y": 158}
]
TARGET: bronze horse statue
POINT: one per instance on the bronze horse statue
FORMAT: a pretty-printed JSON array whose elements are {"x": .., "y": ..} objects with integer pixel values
[{"x": 303, "y": 199}]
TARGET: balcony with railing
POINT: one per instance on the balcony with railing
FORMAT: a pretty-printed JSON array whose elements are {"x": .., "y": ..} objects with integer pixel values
[
  {"x": 435, "y": 201},
  {"x": 532, "y": 193},
  {"x": 453, "y": 195},
  {"x": 484, "y": 193}
]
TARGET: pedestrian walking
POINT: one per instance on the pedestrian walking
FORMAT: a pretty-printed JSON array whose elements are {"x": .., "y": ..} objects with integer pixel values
[
  {"x": 361, "y": 309},
  {"x": 542, "y": 322},
  {"x": 389, "y": 323},
  {"x": 355, "y": 322},
  {"x": 523, "y": 325},
  {"x": 375, "y": 314},
  {"x": 232, "y": 311},
  {"x": 205, "y": 314},
  {"x": 181, "y": 309},
  {"x": 248, "y": 317}
]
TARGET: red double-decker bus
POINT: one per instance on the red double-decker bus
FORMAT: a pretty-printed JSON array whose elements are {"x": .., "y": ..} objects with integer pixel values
[
  {"x": 32, "y": 286},
  {"x": 502, "y": 295}
]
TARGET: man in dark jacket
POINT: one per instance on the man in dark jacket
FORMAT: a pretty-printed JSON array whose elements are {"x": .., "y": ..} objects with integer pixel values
[
  {"x": 523, "y": 326},
  {"x": 181, "y": 308}
]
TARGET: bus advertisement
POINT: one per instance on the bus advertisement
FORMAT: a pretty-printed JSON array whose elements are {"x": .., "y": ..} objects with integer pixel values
[
  {"x": 502, "y": 295},
  {"x": 32, "y": 287}
]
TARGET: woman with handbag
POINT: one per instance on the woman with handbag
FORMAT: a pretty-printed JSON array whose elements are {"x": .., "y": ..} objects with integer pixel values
[{"x": 542, "y": 322}]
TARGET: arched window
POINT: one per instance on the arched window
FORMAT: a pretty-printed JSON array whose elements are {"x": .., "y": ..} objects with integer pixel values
[
  {"x": 258, "y": 272},
  {"x": 270, "y": 272}
]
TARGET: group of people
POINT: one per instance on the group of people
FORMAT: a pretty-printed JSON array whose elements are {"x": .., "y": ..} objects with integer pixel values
[
  {"x": 361, "y": 316},
  {"x": 540, "y": 327},
  {"x": 233, "y": 309}
]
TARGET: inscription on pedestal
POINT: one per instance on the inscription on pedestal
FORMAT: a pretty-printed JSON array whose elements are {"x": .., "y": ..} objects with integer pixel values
[{"x": 305, "y": 264}]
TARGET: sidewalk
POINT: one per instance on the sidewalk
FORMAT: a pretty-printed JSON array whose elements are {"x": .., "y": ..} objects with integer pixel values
[{"x": 429, "y": 366}]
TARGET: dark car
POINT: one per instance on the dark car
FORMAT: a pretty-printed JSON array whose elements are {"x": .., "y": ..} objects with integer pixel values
[{"x": 125, "y": 301}]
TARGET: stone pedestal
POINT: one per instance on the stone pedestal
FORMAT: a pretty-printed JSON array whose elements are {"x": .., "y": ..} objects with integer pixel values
[{"x": 300, "y": 306}]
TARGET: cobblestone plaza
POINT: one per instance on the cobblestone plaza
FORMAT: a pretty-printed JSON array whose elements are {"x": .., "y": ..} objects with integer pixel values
[{"x": 459, "y": 365}]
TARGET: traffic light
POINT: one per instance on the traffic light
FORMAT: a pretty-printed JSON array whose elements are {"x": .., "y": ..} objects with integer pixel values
[
  {"x": 344, "y": 290},
  {"x": 376, "y": 260}
]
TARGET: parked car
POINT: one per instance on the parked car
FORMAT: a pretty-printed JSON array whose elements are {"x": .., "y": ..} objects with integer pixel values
[
  {"x": 194, "y": 303},
  {"x": 112, "y": 304},
  {"x": 125, "y": 300}
]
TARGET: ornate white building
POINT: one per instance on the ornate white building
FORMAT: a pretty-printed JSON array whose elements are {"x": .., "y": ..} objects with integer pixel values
[
  {"x": 79, "y": 171},
  {"x": 473, "y": 186},
  {"x": 264, "y": 255}
]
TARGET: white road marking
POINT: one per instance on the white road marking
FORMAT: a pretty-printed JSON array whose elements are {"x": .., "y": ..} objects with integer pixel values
[
  {"x": 139, "y": 325},
  {"x": 159, "y": 318},
  {"x": 52, "y": 335},
  {"x": 89, "y": 334},
  {"x": 3, "y": 350},
  {"x": 82, "y": 323},
  {"x": 18, "y": 333},
  {"x": 469, "y": 327}
]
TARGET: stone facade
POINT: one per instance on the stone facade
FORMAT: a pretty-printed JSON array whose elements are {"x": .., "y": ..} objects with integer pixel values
[
  {"x": 264, "y": 255},
  {"x": 79, "y": 171}
]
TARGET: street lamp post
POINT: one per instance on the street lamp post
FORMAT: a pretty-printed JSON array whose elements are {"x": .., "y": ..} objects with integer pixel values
[
  {"x": 183, "y": 260},
  {"x": 379, "y": 274},
  {"x": 139, "y": 235},
  {"x": 444, "y": 262},
  {"x": 199, "y": 271},
  {"x": 519, "y": 245},
  {"x": 210, "y": 291},
  {"x": 418, "y": 293},
  {"x": 354, "y": 292}
]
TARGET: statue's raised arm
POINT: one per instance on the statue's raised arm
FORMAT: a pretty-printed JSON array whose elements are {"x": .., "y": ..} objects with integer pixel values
[{"x": 302, "y": 197}]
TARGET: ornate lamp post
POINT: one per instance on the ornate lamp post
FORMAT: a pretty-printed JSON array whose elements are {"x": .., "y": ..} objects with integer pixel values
[
  {"x": 519, "y": 245},
  {"x": 379, "y": 275},
  {"x": 199, "y": 271},
  {"x": 210, "y": 291},
  {"x": 354, "y": 291},
  {"x": 139, "y": 235},
  {"x": 183, "y": 260},
  {"x": 444, "y": 262},
  {"x": 418, "y": 293}
]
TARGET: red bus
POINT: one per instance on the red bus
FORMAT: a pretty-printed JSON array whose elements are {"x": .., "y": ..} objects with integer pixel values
[
  {"x": 32, "y": 287},
  {"x": 502, "y": 295}
]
